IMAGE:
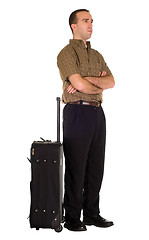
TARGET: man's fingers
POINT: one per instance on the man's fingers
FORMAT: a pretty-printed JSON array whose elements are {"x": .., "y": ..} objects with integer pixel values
[
  {"x": 71, "y": 89},
  {"x": 74, "y": 91},
  {"x": 68, "y": 89},
  {"x": 103, "y": 73}
]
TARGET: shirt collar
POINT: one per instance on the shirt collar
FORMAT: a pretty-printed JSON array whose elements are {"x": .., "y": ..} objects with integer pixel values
[{"x": 77, "y": 42}]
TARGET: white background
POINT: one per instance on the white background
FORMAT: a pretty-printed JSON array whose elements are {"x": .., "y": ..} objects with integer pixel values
[{"x": 31, "y": 35}]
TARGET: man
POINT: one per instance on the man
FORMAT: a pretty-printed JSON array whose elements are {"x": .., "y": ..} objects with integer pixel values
[{"x": 85, "y": 76}]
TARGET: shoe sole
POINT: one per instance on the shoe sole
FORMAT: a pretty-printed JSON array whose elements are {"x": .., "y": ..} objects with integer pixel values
[
  {"x": 74, "y": 230},
  {"x": 97, "y": 225}
]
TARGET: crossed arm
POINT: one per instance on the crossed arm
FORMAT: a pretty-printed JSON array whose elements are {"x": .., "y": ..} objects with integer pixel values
[{"x": 90, "y": 85}]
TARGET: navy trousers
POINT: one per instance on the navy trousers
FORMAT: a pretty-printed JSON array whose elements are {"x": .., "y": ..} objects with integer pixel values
[{"x": 84, "y": 135}]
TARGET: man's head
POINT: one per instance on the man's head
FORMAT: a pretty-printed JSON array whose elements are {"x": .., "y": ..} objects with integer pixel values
[{"x": 80, "y": 22}]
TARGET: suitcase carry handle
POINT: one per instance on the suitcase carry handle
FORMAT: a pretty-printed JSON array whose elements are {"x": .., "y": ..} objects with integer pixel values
[{"x": 58, "y": 119}]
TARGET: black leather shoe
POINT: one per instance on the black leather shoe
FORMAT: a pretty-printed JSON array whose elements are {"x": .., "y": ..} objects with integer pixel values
[
  {"x": 75, "y": 225},
  {"x": 97, "y": 221}
]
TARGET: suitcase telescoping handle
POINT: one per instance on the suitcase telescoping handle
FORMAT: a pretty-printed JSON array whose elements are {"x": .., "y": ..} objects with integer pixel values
[{"x": 58, "y": 119}]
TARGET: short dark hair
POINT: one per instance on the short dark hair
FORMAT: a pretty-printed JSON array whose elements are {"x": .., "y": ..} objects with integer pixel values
[{"x": 73, "y": 17}]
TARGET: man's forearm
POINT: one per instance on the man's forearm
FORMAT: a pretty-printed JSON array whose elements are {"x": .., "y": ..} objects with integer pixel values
[
  {"x": 103, "y": 82},
  {"x": 89, "y": 88}
]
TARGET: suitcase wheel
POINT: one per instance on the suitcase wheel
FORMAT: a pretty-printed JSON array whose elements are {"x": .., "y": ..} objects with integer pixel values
[{"x": 59, "y": 229}]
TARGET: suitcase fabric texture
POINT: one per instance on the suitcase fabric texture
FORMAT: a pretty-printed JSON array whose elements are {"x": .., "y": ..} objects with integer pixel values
[{"x": 46, "y": 184}]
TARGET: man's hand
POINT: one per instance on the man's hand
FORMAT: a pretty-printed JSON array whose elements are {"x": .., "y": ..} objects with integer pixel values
[{"x": 71, "y": 89}]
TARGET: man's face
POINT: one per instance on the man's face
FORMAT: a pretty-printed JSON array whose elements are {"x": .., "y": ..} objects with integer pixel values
[{"x": 84, "y": 26}]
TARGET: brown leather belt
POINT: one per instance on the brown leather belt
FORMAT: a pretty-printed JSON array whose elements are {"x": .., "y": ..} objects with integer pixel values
[{"x": 94, "y": 104}]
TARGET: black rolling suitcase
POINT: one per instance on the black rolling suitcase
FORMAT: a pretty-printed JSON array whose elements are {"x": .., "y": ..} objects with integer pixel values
[{"x": 46, "y": 182}]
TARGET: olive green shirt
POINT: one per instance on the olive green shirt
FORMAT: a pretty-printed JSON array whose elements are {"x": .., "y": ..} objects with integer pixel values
[{"x": 78, "y": 58}]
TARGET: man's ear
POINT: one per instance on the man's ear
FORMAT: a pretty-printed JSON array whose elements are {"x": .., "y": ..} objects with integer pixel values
[{"x": 73, "y": 26}]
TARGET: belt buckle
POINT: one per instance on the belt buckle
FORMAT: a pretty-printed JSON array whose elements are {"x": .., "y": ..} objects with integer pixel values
[{"x": 85, "y": 103}]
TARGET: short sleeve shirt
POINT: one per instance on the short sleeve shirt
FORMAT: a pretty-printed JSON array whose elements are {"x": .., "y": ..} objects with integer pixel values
[{"x": 78, "y": 58}]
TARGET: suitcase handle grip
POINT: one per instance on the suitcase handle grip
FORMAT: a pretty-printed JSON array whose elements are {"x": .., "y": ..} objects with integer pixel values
[{"x": 58, "y": 118}]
